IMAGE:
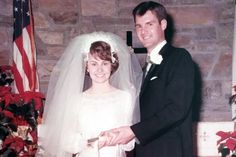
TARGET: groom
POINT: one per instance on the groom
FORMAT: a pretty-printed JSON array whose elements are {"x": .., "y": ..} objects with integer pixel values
[{"x": 166, "y": 95}]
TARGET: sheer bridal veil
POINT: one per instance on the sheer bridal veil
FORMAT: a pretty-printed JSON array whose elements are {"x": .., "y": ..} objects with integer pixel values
[{"x": 68, "y": 77}]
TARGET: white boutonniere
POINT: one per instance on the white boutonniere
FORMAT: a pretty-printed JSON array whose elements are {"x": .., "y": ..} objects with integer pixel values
[{"x": 156, "y": 59}]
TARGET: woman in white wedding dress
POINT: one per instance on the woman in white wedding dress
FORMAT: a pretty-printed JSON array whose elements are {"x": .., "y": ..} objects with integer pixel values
[{"x": 94, "y": 87}]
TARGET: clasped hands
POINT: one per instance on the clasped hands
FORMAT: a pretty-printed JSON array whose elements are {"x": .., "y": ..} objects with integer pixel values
[{"x": 121, "y": 135}]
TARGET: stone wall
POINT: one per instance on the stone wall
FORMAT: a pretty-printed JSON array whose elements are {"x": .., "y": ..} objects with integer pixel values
[{"x": 203, "y": 27}]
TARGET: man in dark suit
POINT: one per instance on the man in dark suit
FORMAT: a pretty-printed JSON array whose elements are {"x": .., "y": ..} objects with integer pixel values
[{"x": 166, "y": 95}]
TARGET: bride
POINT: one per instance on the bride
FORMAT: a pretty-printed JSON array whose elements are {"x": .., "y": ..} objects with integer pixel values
[{"x": 93, "y": 87}]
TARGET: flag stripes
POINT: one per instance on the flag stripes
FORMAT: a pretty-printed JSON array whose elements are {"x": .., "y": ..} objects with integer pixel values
[{"x": 24, "y": 51}]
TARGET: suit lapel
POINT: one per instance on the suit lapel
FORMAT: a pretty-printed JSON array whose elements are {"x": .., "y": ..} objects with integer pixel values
[
  {"x": 146, "y": 79},
  {"x": 165, "y": 52}
]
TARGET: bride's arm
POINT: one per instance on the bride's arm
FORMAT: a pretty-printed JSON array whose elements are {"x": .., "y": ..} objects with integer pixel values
[
  {"x": 73, "y": 142},
  {"x": 129, "y": 109}
]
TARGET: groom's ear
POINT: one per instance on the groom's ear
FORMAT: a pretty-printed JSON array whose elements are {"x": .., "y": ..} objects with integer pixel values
[{"x": 163, "y": 24}]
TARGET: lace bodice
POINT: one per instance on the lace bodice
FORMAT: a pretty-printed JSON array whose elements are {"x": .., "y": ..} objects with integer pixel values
[{"x": 99, "y": 112}]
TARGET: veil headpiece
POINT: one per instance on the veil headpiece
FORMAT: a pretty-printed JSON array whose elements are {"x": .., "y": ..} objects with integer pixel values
[{"x": 68, "y": 78}]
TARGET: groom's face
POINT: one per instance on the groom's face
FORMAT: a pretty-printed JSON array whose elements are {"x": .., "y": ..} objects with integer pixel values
[{"x": 149, "y": 30}]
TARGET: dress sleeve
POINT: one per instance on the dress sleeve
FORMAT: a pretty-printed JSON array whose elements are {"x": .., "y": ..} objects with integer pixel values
[
  {"x": 128, "y": 108},
  {"x": 74, "y": 143},
  {"x": 72, "y": 140}
]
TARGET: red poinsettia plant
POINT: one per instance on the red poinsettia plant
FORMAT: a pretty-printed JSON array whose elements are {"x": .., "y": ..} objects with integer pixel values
[
  {"x": 227, "y": 141},
  {"x": 19, "y": 117}
]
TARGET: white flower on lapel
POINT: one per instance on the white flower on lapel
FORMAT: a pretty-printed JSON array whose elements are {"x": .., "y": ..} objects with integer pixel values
[{"x": 156, "y": 58}]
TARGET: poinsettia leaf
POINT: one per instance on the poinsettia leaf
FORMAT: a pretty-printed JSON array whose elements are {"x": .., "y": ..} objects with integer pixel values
[
  {"x": 34, "y": 94},
  {"x": 233, "y": 134},
  {"x": 18, "y": 99},
  {"x": 4, "y": 90},
  {"x": 5, "y": 67},
  {"x": 14, "y": 143},
  {"x": 32, "y": 150},
  {"x": 7, "y": 98},
  {"x": 20, "y": 121},
  {"x": 38, "y": 103},
  {"x": 231, "y": 144},
  {"x": 18, "y": 144},
  {"x": 37, "y": 97},
  {"x": 25, "y": 155},
  {"x": 8, "y": 141},
  {"x": 27, "y": 97},
  {"x": 223, "y": 135},
  {"x": 8, "y": 114},
  {"x": 33, "y": 134}
]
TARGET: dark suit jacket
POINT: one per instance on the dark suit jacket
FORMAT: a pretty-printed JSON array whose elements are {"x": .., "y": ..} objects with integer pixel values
[{"x": 166, "y": 95}]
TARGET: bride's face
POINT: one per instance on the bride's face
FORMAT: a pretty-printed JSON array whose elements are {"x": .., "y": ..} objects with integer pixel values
[{"x": 98, "y": 69}]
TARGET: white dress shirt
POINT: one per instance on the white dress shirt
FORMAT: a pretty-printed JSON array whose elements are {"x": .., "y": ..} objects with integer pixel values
[{"x": 154, "y": 56}]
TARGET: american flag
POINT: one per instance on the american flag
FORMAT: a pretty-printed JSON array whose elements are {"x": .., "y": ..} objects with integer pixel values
[{"x": 24, "y": 51}]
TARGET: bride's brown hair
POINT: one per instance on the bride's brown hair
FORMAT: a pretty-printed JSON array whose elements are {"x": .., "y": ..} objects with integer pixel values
[{"x": 102, "y": 50}]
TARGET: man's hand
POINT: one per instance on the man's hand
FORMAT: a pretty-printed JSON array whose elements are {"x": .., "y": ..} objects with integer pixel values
[{"x": 121, "y": 135}]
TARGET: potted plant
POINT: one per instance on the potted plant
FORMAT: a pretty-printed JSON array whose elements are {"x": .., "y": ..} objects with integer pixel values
[
  {"x": 227, "y": 141},
  {"x": 19, "y": 115}
]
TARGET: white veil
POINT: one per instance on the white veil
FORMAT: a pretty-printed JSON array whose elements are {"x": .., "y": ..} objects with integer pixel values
[{"x": 68, "y": 77}]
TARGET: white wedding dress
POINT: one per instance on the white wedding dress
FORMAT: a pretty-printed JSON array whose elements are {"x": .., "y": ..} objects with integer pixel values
[{"x": 96, "y": 113}]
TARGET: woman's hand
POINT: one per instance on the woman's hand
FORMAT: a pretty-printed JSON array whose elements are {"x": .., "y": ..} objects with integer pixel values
[
  {"x": 121, "y": 135},
  {"x": 105, "y": 138}
]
